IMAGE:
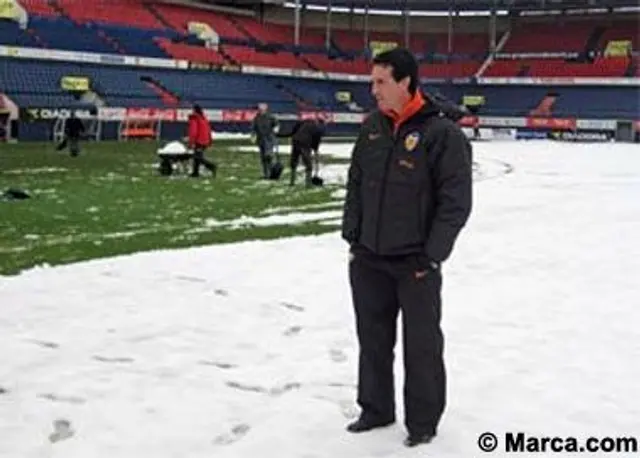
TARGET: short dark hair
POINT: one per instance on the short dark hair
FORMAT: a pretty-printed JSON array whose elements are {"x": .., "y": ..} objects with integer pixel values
[
  {"x": 402, "y": 63},
  {"x": 197, "y": 108}
]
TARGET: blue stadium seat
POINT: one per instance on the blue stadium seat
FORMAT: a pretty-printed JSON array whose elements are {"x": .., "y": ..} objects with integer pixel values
[
  {"x": 37, "y": 83},
  {"x": 12, "y": 35},
  {"x": 598, "y": 102},
  {"x": 62, "y": 33},
  {"x": 134, "y": 41}
]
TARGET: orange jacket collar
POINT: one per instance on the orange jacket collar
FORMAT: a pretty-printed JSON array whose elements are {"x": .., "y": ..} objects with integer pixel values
[{"x": 414, "y": 105}]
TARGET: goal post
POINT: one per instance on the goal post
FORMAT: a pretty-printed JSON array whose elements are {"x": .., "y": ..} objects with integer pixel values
[{"x": 92, "y": 128}]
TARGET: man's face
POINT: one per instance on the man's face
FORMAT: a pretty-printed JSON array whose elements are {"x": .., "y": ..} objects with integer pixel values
[
  {"x": 263, "y": 107},
  {"x": 389, "y": 93}
]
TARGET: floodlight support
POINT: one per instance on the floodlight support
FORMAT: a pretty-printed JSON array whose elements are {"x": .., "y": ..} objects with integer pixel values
[
  {"x": 327, "y": 37},
  {"x": 366, "y": 26},
  {"x": 296, "y": 21}
]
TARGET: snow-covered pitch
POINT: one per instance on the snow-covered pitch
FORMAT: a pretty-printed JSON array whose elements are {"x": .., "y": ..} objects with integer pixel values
[{"x": 249, "y": 350}]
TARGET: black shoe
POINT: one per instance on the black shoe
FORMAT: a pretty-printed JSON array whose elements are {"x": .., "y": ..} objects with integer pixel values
[
  {"x": 362, "y": 424},
  {"x": 416, "y": 439}
]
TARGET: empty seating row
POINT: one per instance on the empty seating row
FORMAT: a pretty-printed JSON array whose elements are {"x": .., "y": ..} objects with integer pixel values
[
  {"x": 128, "y": 12},
  {"x": 40, "y": 7},
  {"x": 178, "y": 17},
  {"x": 37, "y": 84},
  {"x": 62, "y": 33},
  {"x": 12, "y": 35},
  {"x": 135, "y": 41},
  {"x": 44, "y": 78},
  {"x": 601, "y": 67},
  {"x": 137, "y": 28},
  {"x": 250, "y": 56},
  {"x": 190, "y": 53},
  {"x": 548, "y": 37},
  {"x": 31, "y": 81}
]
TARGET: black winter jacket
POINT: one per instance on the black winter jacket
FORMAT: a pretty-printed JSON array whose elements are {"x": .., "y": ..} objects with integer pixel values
[
  {"x": 306, "y": 134},
  {"x": 74, "y": 128},
  {"x": 408, "y": 193},
  {"x": 264, "y": 125}
]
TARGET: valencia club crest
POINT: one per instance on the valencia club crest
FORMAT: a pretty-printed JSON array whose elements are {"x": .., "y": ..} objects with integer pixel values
[{"x": 411, "y": 141}]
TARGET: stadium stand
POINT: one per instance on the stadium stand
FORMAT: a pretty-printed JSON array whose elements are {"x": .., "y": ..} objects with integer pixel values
[
  {"x": 136, "y": 28},
  {"x": 12, "y": 35},
  {"x": 596, "y": 47},
  {"x": 138, "y": 42},
  {"x": 125, "y": 12},
  {"x": 39, "y": 7},
  {"x": 544, "y": 37},
  {"x": 601, "y": 66},
  {"x": 178, "y": 17}
]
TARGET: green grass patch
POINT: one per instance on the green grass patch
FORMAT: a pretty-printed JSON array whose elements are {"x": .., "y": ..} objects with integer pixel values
[{"x": 110, "y": 201}]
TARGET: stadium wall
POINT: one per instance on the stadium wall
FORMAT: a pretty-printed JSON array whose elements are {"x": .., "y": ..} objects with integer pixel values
[{"x": 482, "y": 128}]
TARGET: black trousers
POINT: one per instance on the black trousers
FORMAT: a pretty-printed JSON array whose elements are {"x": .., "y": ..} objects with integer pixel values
[
  {"x": 381, "y": 287},
  {"x": 72, "y": 142},
  {"x": 199, "y": 159},
  {"x": 266, "y": 146},
  {"x": 301, "y": 152}
]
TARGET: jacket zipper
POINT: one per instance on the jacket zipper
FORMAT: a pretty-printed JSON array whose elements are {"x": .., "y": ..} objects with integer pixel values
[{"x": 383, "y": 190}]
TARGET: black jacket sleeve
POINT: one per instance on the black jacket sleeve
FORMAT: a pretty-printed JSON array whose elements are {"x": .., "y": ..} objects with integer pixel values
[
  {"x": 352, "y": 216},
  {"x": 453, "y": 188}
]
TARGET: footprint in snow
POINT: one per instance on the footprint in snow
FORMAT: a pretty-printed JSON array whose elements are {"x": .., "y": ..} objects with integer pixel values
[
  {"x": 105, "y": 359},
  {"x": 275, "y": 391},
  {"x": 278, "y": 390},
  {"x": 244, "y": 387},
  {"x": 217, "y": 364},
  {"x": 341, "y": 385},
  {"x": 337, "y": 355},
  {"x": 191, "y": 279},
  {"x": 46, "y": 344},
  {"x": 347, "y": 408},
  {"x": 61, "y": 430},
  {"x": 291, "y": 306},
  {"x": 61, "y": 398},
  {"x": 236, "y": 433},
  {"x": 292, "y": 331}
]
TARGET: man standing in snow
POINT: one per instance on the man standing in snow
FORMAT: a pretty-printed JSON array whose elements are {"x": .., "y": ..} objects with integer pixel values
[
  {"x": 264, "y": 128},
  {"x": 408, "y": 197},
  {"x": 306, "y": 137},
  {"x": 200, "y": 140}
]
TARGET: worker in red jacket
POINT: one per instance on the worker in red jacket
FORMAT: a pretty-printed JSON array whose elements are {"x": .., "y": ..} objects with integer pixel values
[{"x": 200, "y": 140}]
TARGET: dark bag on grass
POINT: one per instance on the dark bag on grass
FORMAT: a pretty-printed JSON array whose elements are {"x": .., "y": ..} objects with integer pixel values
[
  {"x": 15, "y": 194},
  {"x": 276, "y": 170}
]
